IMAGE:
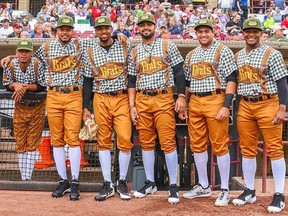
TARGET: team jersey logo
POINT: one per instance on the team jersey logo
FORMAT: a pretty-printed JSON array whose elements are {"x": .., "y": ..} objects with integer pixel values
[
  {"x": 111, "y": 70},
  {"x": 249, "y": 74},
  {"x": 63, "y": 64},
  {"x": 153, "y": 65},
  {"x": 201, "y": 70}
]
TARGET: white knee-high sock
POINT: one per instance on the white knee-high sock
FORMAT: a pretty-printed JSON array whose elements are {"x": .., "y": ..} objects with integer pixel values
[
  {"x": 249, "y": 166},
  {"x": 31, "y": 158},
  {"x": 75, "y": 158},
  {"x": 124, "y": 161},
  {"x": 279, "y": 170},
  {"x": 224, "y": 169},
  {"x": 172, "y": 164},
  {"x": 105, "y": 162},
  {"x": 201, "y": 160},
  {"x": 59, "y": 158},
  {"x": 149, "y": 161},
  {"x": 22, "y": 160}
]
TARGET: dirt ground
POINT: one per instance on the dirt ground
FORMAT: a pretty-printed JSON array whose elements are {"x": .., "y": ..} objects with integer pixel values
[{"x": 24, "y": 203}]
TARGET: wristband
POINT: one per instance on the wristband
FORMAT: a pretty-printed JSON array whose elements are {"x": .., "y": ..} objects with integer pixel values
[{"x": 228, "y": 100}]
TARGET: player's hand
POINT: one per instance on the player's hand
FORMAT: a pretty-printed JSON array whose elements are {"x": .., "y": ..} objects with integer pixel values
[
  {"x": 121, "y": 38},
  {"x": 223, "y": 114},
  {"x": 280, "y": 115},
  {"x": 180, "y": 104},
  {"x": 86, "y": 114},
  {"x": 5, "y": 62},
  {"x": 134, "y": 115},
  {"x": 183, "y": 115}
]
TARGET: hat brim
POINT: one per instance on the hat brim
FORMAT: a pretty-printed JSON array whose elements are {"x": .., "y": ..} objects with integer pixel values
[
  {"x": 260, "y": 29},
  {"x": 204, "y": 25},
  {"x": 58, "y": 26},
  {"x": 146, "y": 21},
  {"x": 96, "y": 26},
  {"x": 24, "y": 49}
]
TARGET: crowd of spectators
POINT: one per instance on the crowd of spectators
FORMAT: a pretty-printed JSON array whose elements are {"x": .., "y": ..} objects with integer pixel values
[{"x": 173, "y": 21}]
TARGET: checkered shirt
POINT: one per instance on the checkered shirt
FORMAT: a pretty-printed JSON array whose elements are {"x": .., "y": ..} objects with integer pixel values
[
  {"x": 57, "y": 50},
  {"x": 156, "y": 80},
  {"x": 225, "y": 67},
  {"x": 27, "y": 77},
  {"x": 275, "y": 70},
  {"x": 101, "y": 56}
]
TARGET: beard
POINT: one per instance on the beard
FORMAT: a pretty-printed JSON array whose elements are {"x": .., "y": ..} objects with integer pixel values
[{"x": 148, "y": 36}]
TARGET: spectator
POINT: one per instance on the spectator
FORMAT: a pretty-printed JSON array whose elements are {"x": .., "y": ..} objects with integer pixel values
[
  {"x": 42, "y": 14},
  {"x": 154, "y": 3},
  {"x": 173, "y": 28},
  {"x": 5, "y": 30},
  {"x": 280, "y": 4},
  {"x": 26, "y": 27},
  {"x": 96, "y": 12},
  {"x": 278, "y": 35},
  {"x": 121, "y": 29},
  {"x": 24, "y": 34},
  {"x": 265, "y": 36},
  {"x": 216, "y": 21},
  {"x": 190, "y": 33},
  {"x": 53, "y": 13},
  {"x": 234, "y": 24},
  {"x": 218, "y": 34},
  {"x": 225, "y": 5},
  {"x": 115, "y": 22},
  {"x": 9, "y": 9},
  {"x": 166, "y": 4},
  {"x": 234, "y": 35},
  {"x": 184, "y": 22},
  {"x": 269, "y": 21},
  {"x": 164, "y": 34},
  {"x": 80, "y": 11},
  {"x": 137, "y": 11},
  {"x": 68, "y": 13},
  {"x": 53, "y": 26},
  {"x": 242, "y": 8},
  {"x": 222, "y": 17},
  {"x": 16, "y": 31},
  {"x": 178, "y": 12},
  {"x": 130, "y": 23},
  {"x": 284, "y": 23},
  {"x": 277, "y": 16},
  {"x": 38, "y": 31},
  {"x": 47, "y": 30},
  {"x": 162, "y": 20}
]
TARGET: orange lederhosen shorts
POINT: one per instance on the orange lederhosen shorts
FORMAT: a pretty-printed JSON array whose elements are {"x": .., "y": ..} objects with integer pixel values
[
  {"x": 28, "y": 124},
  {"x": 202, "y": 124},
  {"x": 113, "y": 111},
  {"x": 255, "y": 117},
  {"x": 64, "y": 117},
  {"x": 156, "y": 113}
]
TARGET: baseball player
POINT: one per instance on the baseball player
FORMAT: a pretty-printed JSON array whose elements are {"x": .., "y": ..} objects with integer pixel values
[
  {"x": 263, "y": 89},
  {"x": 106, "y": 76},
  {"x": 25, "y": 74},
  {"x": 152, "y": 108},
  {"x": 210, "y": 73}
]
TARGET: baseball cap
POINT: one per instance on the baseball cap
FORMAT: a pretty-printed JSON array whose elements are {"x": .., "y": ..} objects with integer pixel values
[
  {"x": 52, "y": 19},
  {"x": 184, "y": 14},
  {"x": 146, "y": 18},
  {"x": 215, "y": 16},
  {"x": 5, "y": 20},
  {"x": 217, "y": 27},
  {"x": 65, "y": 21},
  {"x": 102, "y": 21},
  {"x": 163, "y": 26},
  {"x": 190, "y": 24},
  {"x": 16, "y": 25},
  {"x": 204, "y": 22},
  {"x": 25, "y": 44},
  {"x": 25, "y": 23},
  {"x": 234, "y": 32},
  {"x": 252, "y": 23}
]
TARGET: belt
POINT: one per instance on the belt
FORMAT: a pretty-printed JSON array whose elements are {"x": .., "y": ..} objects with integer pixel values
[
  {"x": 31, "y": 103},
  {"x": 257, "y": 98},
  {"x": 154, "y": 92},
  {"x": 64, "y": 89},
  {"x": 117, "y": 93},
  {"x": 204, "y": 94}
]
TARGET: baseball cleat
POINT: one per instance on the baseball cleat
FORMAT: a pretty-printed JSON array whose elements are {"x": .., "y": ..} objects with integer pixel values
[
  {"x": 62, "y": 188},
  {"x": 173, "y": 194},
  {"x": 248, "y": 196},
  {"x": 122, "y": 189},
  {"x": 75, "y": 193},
  {"x": 106, "y": 191},
  {"x": 149, "y": 188},
  {"x": 223, "y": 198},
  {"x": 197, "y": 192},
  {"x": 278, "y": 203}
]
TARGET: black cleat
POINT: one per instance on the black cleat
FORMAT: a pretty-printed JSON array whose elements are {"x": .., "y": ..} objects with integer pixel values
[
  {"x": 278, "y": 203},
  {"x": 122, "y": 189},
  {"x": 173, "y": 194},
  {"x": 62, "y": 188},
  {"x": 106, "y": 191},
  {"x": 75, "y": 193},
  {"x": 149, "y": 188}
]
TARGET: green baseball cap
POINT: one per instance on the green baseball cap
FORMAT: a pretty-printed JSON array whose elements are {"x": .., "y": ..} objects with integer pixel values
[
  {"x": 102, "y": 21},
  {"x": 65, "y": 21},
  {"x": 146, "y": 18},
  {"x": 204, "y": 22},
  {"x": 25, "y": 44},
  {"x": 252, "y": 23}
]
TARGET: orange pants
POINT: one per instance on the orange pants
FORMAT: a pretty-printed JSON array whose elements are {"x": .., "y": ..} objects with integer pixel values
[
  {"x": 28, "y": 124},
  {"x": 255, "y": 117},
  {"x": 156, "y": 113},
  {"x": 113, "y": 111},
  {"x": 202, "y": 124},
  {"x": 64, "y": 117}
]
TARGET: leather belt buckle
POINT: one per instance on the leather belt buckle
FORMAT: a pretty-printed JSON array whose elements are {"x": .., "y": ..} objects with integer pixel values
[{"x": 150, "y": 92}]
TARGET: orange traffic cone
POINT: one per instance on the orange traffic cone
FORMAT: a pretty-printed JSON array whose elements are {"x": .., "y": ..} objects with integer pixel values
[
  {"x": 83, "y": 162},
  {"x": 44, "y": 149}
]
